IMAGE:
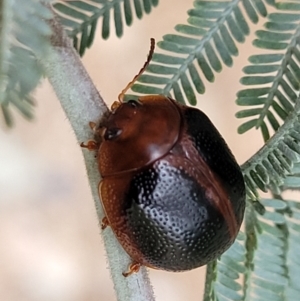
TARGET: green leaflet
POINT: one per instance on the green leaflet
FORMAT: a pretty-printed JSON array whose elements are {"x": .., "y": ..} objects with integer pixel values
[
  {"x": 274, "y": 161},
  {"x": 275, "y": 266},
  {"x": 202, "y": 46},
  {"x": 278, "y": 72},
  {"x": 80, "y": 18},
  {"x": 222, "y": 279},
  {"x": 24, "y": 36},
  {"x": 265, "y": 259}
]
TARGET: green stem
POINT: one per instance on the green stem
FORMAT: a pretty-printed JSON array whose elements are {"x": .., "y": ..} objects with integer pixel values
[
  {"x": 209, "y": 280},
  {"x": 250, "y": 223}
]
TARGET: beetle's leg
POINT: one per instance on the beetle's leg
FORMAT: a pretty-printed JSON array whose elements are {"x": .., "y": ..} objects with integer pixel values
[
  {"x": 133, "y": 268},
  {"x": 115, "y": 105},
  {"x": 104, "y": 223},
  {"x": 91, "y": 145}
]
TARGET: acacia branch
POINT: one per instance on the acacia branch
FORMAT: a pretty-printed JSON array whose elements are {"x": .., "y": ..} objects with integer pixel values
[{"x": 82, "y": 103}]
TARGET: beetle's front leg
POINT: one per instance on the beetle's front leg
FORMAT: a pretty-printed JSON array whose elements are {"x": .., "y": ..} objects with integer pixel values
[{"x": 91, "y": 145}]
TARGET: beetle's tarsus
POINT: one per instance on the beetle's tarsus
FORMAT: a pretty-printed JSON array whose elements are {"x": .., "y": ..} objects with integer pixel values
[
  {"x": 133, "y": 268},
  {"x": 104, "y": 223},
  {"x": 91, "y": 145}
]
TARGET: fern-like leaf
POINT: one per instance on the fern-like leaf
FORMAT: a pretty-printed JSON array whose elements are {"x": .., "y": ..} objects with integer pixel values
[
  {"x": 274, "y": 161},
  {"x": 266, "y": 252},
  {"x": 272, "y": 79},
  {"x": 200, "y": 48},
  {"x": 292, "y": 291},
  {"x": 265, "y": 259},
  {"x": 222, "y": 278},
  {"x": 24, "y": 33},
  {"x": 80, "y": 18}
]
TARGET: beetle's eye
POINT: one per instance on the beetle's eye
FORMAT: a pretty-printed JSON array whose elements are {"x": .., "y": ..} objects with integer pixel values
[
  {"x": 134, "y": 103},
  {"x": 112, "y": 133}
]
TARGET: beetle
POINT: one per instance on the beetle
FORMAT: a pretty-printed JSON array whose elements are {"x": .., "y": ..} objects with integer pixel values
[{"x": 171, "y": 190}]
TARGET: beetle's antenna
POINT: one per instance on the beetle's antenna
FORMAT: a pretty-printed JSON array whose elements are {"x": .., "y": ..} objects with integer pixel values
[{"x": 151, "y": 51}]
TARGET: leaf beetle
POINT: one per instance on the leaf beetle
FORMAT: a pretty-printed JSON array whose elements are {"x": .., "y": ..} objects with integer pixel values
[{"x": 171, "y": 190}]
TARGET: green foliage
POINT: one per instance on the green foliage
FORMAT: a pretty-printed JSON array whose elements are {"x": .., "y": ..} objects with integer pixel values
[
  {"x": 272, "y": 79},
  {"x": 199, "y": 49},
  {"x": 24, "y": 33},
  {"x": 268, "y": 168},
  {"x": 267, "y": 238},
  {"x": 80, "y": 18},
  {"x": 223, "y": 278},
  {"x": 263, "y": 264}
]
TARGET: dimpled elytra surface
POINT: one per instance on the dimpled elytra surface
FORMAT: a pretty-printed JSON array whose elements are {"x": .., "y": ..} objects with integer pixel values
[
  {"x": 170, "y": 219},
  {"x": 213, "y": 149}
]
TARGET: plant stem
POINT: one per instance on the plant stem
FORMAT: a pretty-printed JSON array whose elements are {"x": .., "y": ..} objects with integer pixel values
[
  {"x": 209, "y": 280},
  {"x": 82, "y": 104}
]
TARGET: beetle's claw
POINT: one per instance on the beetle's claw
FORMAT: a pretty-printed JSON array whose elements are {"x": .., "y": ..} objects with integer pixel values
[
  {"x": 93, "y": 126},
  {"x": 91, "y": 145},
  {"x": 133, "y": 268},
  {"x": 104, "y": 223}
]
